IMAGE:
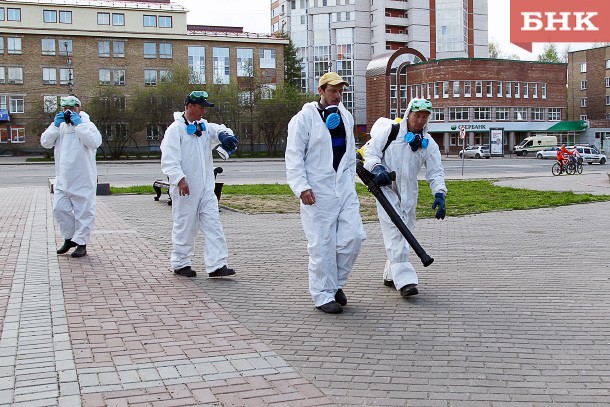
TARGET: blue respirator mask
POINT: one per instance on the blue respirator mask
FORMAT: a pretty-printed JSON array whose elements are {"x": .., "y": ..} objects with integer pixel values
[
  {"x": 416, "y": 141},
  {"x": 331, "y": 117},
  {"x": 194, "y": 128}
]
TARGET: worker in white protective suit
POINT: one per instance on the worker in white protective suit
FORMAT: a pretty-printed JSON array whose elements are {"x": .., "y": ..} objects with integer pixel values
[
  {"x": 186, "y": 158},
  {"x": 412, "y": 149},
  {"x": 320, "y": 169},
  {"x": 76, "y": 140}
]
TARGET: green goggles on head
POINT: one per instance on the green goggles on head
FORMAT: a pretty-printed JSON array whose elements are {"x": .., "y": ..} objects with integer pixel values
[
  {"x": 198, "y": 94},
  {"x": 69, "y": 101},
  {"x": 421, "y": 105}
]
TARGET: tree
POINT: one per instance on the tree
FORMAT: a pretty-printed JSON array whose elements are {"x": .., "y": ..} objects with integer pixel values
[
  {"x": 549, "y": 54},
  {"x": 494, "y": 49},
  {"x": 292, "y": 63},
  {"x": 275, "y": 112}
]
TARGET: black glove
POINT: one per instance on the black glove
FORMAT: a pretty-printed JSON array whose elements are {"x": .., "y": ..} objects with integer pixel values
[
  {"x": 439, "y": 200},
  {"x": 382, "y": 176},
  {"x": 228, "y": 142}
]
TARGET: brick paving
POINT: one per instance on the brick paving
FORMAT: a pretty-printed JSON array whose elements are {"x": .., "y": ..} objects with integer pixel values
[{"x": 513, "y": 312}]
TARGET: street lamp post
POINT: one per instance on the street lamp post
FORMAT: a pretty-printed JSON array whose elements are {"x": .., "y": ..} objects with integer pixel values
[{"x": 69, "y": 61}]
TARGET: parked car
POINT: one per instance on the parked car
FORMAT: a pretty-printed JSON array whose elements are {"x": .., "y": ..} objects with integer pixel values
[
  {"x": 550, "y": 152},
  {"x": 475, "y": 152},
  {"x": 591, "y": 155}
]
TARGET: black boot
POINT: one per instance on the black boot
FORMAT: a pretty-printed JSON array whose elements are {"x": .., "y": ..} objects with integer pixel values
[
  {"x": 68, "y": 244},
  {"x": 224, "y": 271},
  {"x": 81, "y": 250}
]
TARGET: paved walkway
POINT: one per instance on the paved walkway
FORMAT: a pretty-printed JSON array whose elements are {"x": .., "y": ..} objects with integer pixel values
[{"x": 513, "y": 312}]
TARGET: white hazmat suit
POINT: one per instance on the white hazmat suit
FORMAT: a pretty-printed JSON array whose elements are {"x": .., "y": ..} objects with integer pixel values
[
  {"x": 189, "y": 156},
  {"x": 403, "y": 192},
  {"x": 332, "y": 225},
  {"x": 75, "y": 176}
]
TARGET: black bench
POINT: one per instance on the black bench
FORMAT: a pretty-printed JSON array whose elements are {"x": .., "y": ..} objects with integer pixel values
[{"x": 161, "y": 184}]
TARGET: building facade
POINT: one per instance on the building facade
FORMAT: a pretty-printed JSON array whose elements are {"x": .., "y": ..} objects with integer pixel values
[
  {"x": 521, "y": 97},
  {"x": 589, "y": 93},
  {"x": 53, "y": 48},
  {"x": 344, "y": 35}
]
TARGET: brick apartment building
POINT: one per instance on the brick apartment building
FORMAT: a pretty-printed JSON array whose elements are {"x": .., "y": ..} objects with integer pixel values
[
  {"x": 521, "y": 97},
  {"x": 589, "y": 94},
  {"x": 48, "y": 47}
]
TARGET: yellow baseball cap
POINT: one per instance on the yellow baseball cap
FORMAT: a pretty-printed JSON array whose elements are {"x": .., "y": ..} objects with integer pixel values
[{"x": 331, "y": 78}]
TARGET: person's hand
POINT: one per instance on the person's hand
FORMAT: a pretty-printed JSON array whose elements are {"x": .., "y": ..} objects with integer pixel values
[
  {"x": 439, "y": 201},
  {"x": 75, "y": 119},
  {"x": 382, "y": 176},
  {"x": 59, "y": 119},
  {"x": 307, "y": 197},
  {"x": 228, "y": 142},
  {"x": 183, "y": 187}
]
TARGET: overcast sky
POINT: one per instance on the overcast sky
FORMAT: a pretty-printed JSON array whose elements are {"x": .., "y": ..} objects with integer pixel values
[{"x": 254, "y": 16}]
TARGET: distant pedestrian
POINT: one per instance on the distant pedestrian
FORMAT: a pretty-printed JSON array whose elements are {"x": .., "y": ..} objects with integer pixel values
[
  {"x": 320, "y": 169},
  {"x": 412, "y": 149},
  {"x": 76, "y": 140},
  {"x": 186, "y": 158}
]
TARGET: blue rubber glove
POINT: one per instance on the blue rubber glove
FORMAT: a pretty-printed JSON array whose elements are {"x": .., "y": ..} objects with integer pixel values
[
  {"x": 59, "y": 119},
  {"x": 439, "y": 201},
  {"x": 382, "y": 176},
  {"x": 75, "y": 118},
  {"x": 228, "y": 142}
]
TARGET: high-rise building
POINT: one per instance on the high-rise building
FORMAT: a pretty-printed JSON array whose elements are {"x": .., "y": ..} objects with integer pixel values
[{"x": 345, "y": 35}]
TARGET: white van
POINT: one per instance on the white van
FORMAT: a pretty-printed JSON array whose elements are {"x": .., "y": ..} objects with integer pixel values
[{"x": 534, "y": 144}]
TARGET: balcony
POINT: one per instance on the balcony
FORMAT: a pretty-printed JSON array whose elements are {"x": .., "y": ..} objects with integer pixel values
[{"x": 397, "y": 4}]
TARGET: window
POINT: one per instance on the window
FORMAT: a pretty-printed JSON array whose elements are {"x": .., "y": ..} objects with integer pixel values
[
  {"x": 118, "y": 48},
  {"x": 65, "y": 17},
  {"x": 607, "y": 63},
  {"x": 65, "y": 75},
  {"x": 583, "y": 117},
  {"x": 150, "y": 77},
  {"x": 119, "y": 77},
  {"x": 502, "y": 113},
  {"x": 165, "y": 50},
  {"x": 3, "y": 135},
  {"x": 520, "y": 113},
  {"x": 49, "y": 76},
  {"x": 538, "y": 113},
  {"x": 221, "y": 65},
  {"x": 13, "y": 14},
  {"x": 103, "y": 18},
  {"x": 583, "y": 102},
  {"x": 245, "y": 62},
  {"x": 15, "y": 75},
  {"x": 467, "y": 85},
  {"x": 150, "y": 21},
  {"x": 48, "y": 46},
  {"x": 555, "y": 113},
  {"x": 103, "y": 49},
  {"x": 154, "y": 132},
  {"x": 456, "y": 89},
  {"x": 478, "y": 89},
  {"x": 583, "y": 67},
  {"x": 526, "y": 90},
  {"x": 607, "y": 100},
  {"x": 16, "y": 104},
  {"x": 1, "y": 13},
  {"x": 583, "y": 85},
  {"x": 482, "y": 113},
  {"x": 608, "y": 82},
  {"x": 267, "y": 58},
  {"x": 150, "y": 50},
  {"x": 489, "y": 88},
  {"x": 13, "y": 45},
  {"x": 165, "y": 22},
  {"x": 164, "y": 75},
  {"x": 2, "y": 76},
  {"x": 535, "y": 90},
  {"x": 65, "y": 47},
  {"x": 196, "y": 63},
  {"x": 17, "y": 134},
  {"x": 1, "y": 45},
  {"x": 509, "y": 89},
  {"x": 517, "y": 89},
  {"x": 437, "y": 89},
  {"x": 543, "y": 90},
  {"x": 445, "y": 89},
  {"x": 49, "y": 16},
  {"x": 499, "y": 93},
  {"x": 104, "y": 76},
  {"x": 428, "y": 90},
  {"x": 438, "y": 114},
  {"x": 118, "y": 19},
  {"x": 458, "y": 113}
]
